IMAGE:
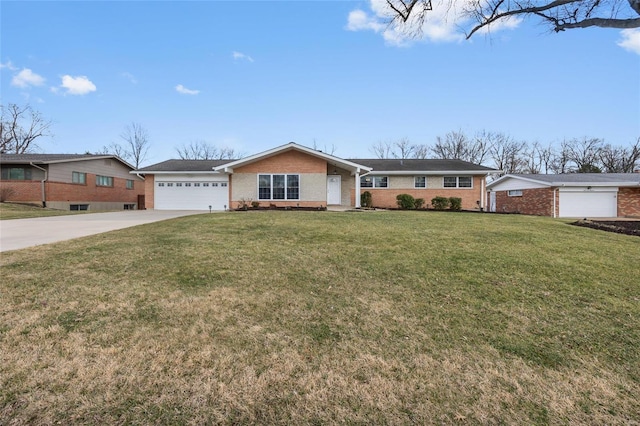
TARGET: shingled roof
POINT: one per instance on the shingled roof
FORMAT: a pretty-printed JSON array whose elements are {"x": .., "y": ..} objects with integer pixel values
[
  {"x": 184, "y": 166},
  {"x": 427, "y": 165},
  {"x": 56, "y": 158}
]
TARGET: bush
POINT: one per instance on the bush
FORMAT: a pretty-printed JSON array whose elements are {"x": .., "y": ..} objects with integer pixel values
[
  {"x": 440, "y": 203},
  {"x": 418, "y": 203},
  {"x": 455, "y": 203},
  {"x": 366, "y": 199},
  {"x": 406, "y": 201}
]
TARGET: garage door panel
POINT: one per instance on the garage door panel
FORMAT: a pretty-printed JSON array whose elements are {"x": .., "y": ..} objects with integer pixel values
[
  {"x": 588, "y": 204},
  {"x": 191, "y": 198}
]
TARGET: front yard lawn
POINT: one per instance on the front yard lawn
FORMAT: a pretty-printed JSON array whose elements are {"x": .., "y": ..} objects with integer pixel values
[
  {"x": 321, "y": 317},
  {"x": 25, "y": 211}
]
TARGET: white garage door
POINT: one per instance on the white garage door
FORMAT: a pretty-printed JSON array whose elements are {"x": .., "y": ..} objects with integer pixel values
[
  {"x": 176, "y": 195},
  {"x": 588, "y": 204}
]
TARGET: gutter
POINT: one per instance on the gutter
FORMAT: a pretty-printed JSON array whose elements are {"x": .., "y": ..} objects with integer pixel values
[{"x": 42, "y": 185}]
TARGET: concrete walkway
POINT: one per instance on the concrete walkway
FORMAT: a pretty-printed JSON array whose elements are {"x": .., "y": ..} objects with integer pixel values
[{"x": 22, "y": 233}]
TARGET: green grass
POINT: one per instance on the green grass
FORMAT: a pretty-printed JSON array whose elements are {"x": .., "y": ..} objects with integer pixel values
[
  {"x": 25, "y": 211},
  {"x": 320, "y": 317}
]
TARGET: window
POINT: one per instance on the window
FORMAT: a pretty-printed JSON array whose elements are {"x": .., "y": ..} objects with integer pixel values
[
  {"x": 196, "y": 184},
  {"x": 104, "y": 180},
  {"x": 79, "y": 178},
  {"x": 170, "y": 184},
  {"x": 78, "y": 207},
  {"x": 374, "y": 182},
  {"x": 129, "y": 206},
  {"x": 458, "y": 182},
  {"x": 178, "y": 183},
  {"x": 205, "y": 184},
  {"x": 277, "y": 187},
  {"x": 214, "y": 184},
  {"x": 160, "y": 183},
  {"x": 223, "y": 184},
  {"x": 16, "y": 173},
  {"x": 420, "y": 182},
  {"x": 515, "y": 193},
  {"x": 187, "y": 184},
  {"x": 129, "y": 184}
]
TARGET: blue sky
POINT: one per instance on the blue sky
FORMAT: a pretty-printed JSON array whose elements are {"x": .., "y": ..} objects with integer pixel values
[{"x": 255, "y": 75}]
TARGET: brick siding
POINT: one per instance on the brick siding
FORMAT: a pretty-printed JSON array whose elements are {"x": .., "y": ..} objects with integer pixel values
[
  {"x": 149, "y": 191},
  {"x": 538, "y": 202},
  {"x": 31, "y": 192},
  {"x": 629, "y": 202},
  {"x": 386, "y": 197}
]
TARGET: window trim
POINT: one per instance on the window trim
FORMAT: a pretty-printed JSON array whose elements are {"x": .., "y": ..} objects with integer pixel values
[
  {"x": 457, "y": 186},
  {"x": 286, "y": 188},
  {"x": 78, "y": 181},
  {"x": 415, "y": 183},
  {"x": 374, "y": 182},
  {"x": 108, "y": 178},
  {"x": 514, "y": 193}
]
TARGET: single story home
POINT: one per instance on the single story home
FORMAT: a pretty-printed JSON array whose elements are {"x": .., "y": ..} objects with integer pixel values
[
  {"x": 576, "y": 195},
  {"x": 71, "y": 181},
  {"x": 293, "y": 175}
]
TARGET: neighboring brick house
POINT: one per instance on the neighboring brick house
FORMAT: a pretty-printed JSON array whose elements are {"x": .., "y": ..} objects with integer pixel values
[
  {"x": 567, "y": 195},
  {"x": 296, "y": 176},
  {"x": 71, "y": 181}
]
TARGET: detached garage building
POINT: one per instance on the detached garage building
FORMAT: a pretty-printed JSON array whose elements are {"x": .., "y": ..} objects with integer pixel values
[
  {"x": 567, "y": 195},
  {"x": 186, "y": 185}
]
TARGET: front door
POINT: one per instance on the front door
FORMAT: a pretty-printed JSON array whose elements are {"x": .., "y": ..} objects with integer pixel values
[{"x": 334, "y": 190}]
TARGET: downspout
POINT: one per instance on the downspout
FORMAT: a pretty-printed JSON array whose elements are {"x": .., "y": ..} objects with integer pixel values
[
  {"x": 555, "y": 190},
  {"x": 42, "y": 183}
]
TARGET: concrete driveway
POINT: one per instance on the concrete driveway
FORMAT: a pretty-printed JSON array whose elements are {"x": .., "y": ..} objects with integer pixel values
[{"x": 22, "y": 233}]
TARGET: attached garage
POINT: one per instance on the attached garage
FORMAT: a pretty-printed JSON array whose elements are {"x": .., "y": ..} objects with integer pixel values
[
  {"x": 186, "y": 185},
  {"x": 581, "y": 202}
]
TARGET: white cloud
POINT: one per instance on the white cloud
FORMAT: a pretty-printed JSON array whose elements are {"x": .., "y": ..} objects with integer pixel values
[
  {"x": 8, "y": 65},
  {"x": 241, "y": 56},
  {"x": 442, "y": 24},
  {"x": 26, "y": 78},
  {"x": 129, "y": 77},
  {"x": 181, "y": 89},
  {"x": 630, "y": 40},
  {"x": 79, "y": 85}
]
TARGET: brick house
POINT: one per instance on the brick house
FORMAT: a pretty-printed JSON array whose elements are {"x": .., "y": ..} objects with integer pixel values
[
  {"x": 567, "y": 195},
  {"x": 71, "y": 181},
  {"x": 292, "y": 175}
]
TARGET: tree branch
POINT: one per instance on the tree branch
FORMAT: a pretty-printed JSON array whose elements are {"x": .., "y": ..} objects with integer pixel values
[{"x": 599, "y": 22}]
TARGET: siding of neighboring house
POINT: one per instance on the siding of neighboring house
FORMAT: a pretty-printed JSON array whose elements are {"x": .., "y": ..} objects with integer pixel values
[
  {"x": 386, "y": 197},
  {"x": 538, "y": 202},
  {"x": 312, "y": 171},
  {"x": 61, "y": 193},
  {"x": 629, "y": 202}
]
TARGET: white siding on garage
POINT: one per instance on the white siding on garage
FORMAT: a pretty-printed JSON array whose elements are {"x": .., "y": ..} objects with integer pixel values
[
  {"x": 191, "y": 192},
  {"x": 582, "y": 202}
]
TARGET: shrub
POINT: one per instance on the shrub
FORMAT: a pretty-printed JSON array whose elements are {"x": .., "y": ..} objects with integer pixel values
[
  {"x": 418, "y": 203},
  {"x": 255, "y": 204},
  {"x": 455, "y": 203},
  {"x": 440, "y": 203},
  {"x": 366, "y": 199},
  {"x": 406, "y": 201},
  {"x": 5, "y": 194}
]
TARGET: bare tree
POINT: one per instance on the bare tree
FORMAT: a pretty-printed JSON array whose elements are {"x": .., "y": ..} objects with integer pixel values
[
  {"x": 618, "y": 159},
  {"x": 382, "y": 149},
  {"x": 559, "y": 14},
  {"x": 508, "y": 154},
  {"x": 137, "y": 143},
  {"x": 20, "y": 127},
  {"x": 457, "y": 145},
  {"x": 584, "y": 154},
  {"x": 115, "y": 149},
  {"x": 201, "y": 150},
  {"x": 328, "y": 150}
]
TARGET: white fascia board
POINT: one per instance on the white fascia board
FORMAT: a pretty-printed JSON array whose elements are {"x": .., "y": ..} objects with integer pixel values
[
  {"x": 429, "y": 173},
  {"x": 598, "y": 184},
  {"x": 505, "y": 177},
  {"x": 288, "y": 147},
  {"x": 182, "y": 172}
]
